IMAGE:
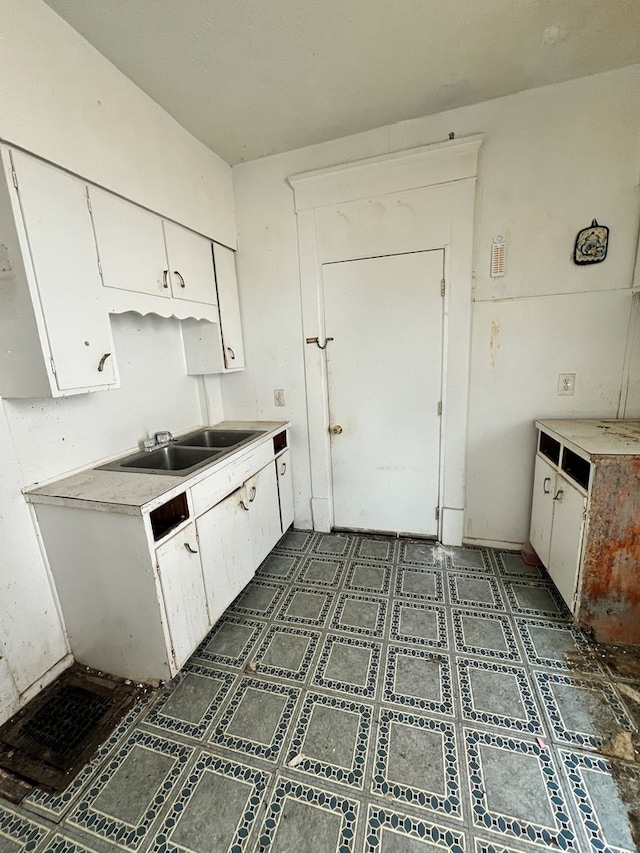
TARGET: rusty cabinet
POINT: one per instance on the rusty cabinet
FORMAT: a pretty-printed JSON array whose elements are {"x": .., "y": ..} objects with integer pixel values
[{"x": 585, "y": 521}]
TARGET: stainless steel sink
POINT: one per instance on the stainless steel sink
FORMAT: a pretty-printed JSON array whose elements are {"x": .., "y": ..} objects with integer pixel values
[
  {"x": 166, "y": 460},
  {"x": 185, "y": 455},
  {"x": 226, "y": 438}
]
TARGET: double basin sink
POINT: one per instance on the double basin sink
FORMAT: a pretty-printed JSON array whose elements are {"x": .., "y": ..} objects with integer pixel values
[{"x": 184, "y": 456}]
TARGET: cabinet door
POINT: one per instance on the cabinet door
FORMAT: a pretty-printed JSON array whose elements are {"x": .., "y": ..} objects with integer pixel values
[
  {"x": 60, "y": 234},
  {"x": 229, "y": 307},
  {"x": 542, "y": 509},
  {"x": 178, "y": 563},
  {"x": 264, "y": 511},
  {"x": 130, "y": 245},
  {"x": 285, "y": 490},
  {"x": 225, "y": 549},
  {"x": 190, "y": 263},
  {"x": 566, "y": 538}
]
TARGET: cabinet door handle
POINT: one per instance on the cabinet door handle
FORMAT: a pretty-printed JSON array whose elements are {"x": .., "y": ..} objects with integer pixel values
[
  {"x": 232, "y": 354},
  {"x": 283, "y": 470},
  {"x": 252, "y": 494},
  {"x": 182, "y": 284},
  {"x": 165, "y": 279},
  {"x": 243, "y": 505},
  {"x": 102, "y": 362},
  {"x": 545, "y": 484},
  {"x": 190, "y": 549},
  {"x": 558, "y": 495}
]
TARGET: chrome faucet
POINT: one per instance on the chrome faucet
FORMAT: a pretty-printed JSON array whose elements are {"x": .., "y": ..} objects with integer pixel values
[{"x": 160, "y": 439}]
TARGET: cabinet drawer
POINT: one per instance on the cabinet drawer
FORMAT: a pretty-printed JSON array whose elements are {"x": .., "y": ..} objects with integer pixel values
[{"x": 207, "y": 493}]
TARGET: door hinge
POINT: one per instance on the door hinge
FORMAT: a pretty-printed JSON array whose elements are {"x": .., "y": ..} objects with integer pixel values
[
  {"x": 53, "y": 366},
  {"x": 14, "y": 177},
  {"x": 442, "y": 286},
  {"x": 437, "y": 513},
  {"x": 440, "y": 408}
]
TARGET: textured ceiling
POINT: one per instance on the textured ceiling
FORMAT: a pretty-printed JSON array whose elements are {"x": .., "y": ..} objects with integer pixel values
[{"x": 256, "y": 77}]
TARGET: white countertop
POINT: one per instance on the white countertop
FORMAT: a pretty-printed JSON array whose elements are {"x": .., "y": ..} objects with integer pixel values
[
  {"x": 132, "y": 492},
  {"x": 597, "y": 437}
]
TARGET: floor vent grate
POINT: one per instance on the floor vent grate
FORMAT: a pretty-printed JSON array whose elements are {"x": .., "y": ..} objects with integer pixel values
[{"x": 51, "y": 738}]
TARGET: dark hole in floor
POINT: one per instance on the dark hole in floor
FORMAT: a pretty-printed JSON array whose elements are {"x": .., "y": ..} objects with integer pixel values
[{"x": 50, "y": 740}]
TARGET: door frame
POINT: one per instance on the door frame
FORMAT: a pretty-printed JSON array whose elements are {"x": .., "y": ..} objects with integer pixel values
[{"x": 445, "y": 174}]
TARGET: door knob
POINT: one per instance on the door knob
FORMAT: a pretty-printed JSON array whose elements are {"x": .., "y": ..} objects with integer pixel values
[{"x": 335, "y": 430}]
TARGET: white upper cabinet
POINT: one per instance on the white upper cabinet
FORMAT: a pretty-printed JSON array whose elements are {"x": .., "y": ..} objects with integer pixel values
[
  {"x": 190, "y": 264},
  {"x": 130, "y": 243},
  {"x": 151, "y": 265},
  {"x": 229, "y": 306},
  {"x": 71, "y": 254},
  {"x": 217, "y": 347},
  {"x": 56, "y": 335}
]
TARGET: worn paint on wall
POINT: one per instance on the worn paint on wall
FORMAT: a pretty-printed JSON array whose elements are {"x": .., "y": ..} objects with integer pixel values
[
  {"x": 610, "y": 595},
  {"x": 494, "y": 342}
]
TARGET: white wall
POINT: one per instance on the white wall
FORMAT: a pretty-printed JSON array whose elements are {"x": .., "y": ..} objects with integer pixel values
[
  {"x": 63, "y": 101},
  {"x": 552, "y": 160}
]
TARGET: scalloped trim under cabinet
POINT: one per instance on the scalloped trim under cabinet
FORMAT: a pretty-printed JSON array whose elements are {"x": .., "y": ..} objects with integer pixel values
[{"x": 121, "y": 301}]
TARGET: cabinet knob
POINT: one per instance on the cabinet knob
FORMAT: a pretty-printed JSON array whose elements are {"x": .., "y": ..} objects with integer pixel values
[
  {"x": 190, "y": 549},
  {"x": 335, "y": 430},
  {"x": 176, "y": 273}
]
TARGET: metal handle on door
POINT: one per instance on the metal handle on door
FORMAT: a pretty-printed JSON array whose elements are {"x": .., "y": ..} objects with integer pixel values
[
  {"x": 547, "y": 482},
  {"x": 102, "y": 362},
  {"x": 182, "y": 284},
  {"x": 243, "y": 505},
  {"x": 252, "y": 494},
  {"x": 190, "y": 549},
  {"x": 165, "y": 279},
  {"x": 558, "y": 495},
  {"x": 283, "y": 470},
  {"x": 231, "y": 353},
  {"x": 335, "y": 430}
]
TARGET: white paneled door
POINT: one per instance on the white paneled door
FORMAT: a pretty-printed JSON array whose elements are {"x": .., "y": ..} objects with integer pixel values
[{"x": 384, "y": 369}]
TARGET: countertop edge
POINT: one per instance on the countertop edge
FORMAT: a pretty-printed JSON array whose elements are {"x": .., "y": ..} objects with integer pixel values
[{"x": 154, "y": 489}]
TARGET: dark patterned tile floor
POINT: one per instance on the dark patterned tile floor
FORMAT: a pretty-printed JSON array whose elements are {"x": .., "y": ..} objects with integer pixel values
[{"x": 365, "y": 694}]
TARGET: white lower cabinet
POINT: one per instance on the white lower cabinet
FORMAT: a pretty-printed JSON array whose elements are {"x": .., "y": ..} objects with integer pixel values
[
  {"x": 140, "y": 587},
  {"x": 263, "y": 511},
  {"x": 584, "y": 521},
  {"x": 558, "y": 513},
  {"x": 285, "y": 489},
  {"x": 180, "y": 572},
  {"x": 236, "y": 535},
  {"x": 566, "y": 539},
  {"x": 544, "y": 479},
  {"x": 225, "y": 549},
  {"x": 557, "y": 521}
]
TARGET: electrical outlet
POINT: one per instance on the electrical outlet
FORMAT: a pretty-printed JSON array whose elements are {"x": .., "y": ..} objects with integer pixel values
[
  {"x": 566, "y": 384},
  {"x": 278, "y": 397}
]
